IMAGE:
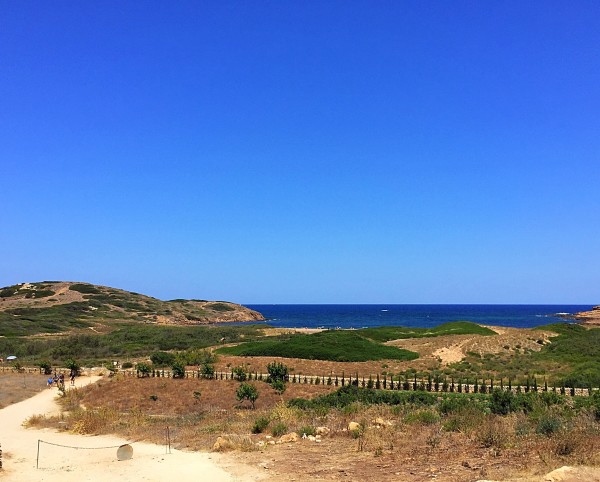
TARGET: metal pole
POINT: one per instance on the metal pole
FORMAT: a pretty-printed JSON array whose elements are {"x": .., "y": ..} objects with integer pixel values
[{"x": 37, "y": 461}]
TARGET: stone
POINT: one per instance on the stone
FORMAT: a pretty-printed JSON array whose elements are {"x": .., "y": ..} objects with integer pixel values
[
  {"x": 563, "y": 473},
  {"x": 354, "y": 427},
  {"x": 222, "y": 444},
  {"x": 289, "y": 437},
  {"x": 322, "y": 431}
]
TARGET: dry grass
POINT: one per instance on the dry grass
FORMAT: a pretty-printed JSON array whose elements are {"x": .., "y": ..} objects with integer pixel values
[
  {"x": 15, "y": 387},
  {"x": 395, "y": 443}
]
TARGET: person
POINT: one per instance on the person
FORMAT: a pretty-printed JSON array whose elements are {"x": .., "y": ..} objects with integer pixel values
[
  {"x": 55, "y": 379},
  {"x": 61, "y": 380},
  {"x": 50, "y": 381},
  {"x": 72, "y": 377}
]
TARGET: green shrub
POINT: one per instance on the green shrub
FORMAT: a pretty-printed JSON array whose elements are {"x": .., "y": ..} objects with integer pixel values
[
  {"x": 453, "y": 404},
  {"x": 277, "y": 371},
  {"x": 178, "y": 370},
  {"x": 85, "y": 288},
  {"x": 143, "y": 369},
  {"x": 127, "y": 364},
  {"x": 278, "y": 386},
  {"x": 548, "y": 425},
  {"x": 239, "y": 374},
  {"x": 72, "y": 365},
  {"x": 162, "y": 359},
  {"x": 9, "y": 291},
  {"x": 260, "y": 424},
  {"x": 503, "y": 402},
  {"x": 351, "y": 394},
  {"x": 46, "y": 367},
  {"x": 207, "y": 370},
  {"x": 425, "y": 417},
  {"x": 279, "y": 429},
  {"x": 308, "y": 430}
]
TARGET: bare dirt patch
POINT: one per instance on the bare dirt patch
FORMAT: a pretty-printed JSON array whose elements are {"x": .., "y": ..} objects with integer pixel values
[{"x": 453, "y": 348}]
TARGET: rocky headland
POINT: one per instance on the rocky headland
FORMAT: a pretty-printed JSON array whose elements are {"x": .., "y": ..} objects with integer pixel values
[{"x": 591, "y": 317}]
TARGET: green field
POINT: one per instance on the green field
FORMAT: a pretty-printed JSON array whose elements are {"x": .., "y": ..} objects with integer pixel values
[
  {"x": 334, "y": 345},
  {"x": 387, "y": 333}
]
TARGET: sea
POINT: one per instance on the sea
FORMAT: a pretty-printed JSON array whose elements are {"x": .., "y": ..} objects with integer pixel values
[{"x": 418, "y": 316}]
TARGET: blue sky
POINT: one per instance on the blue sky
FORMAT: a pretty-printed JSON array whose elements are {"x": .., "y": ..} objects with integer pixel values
[{"x": 304, "y": 152}]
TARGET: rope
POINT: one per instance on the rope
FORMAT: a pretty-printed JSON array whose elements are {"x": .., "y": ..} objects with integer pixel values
[{"x": 82, "y": 448}]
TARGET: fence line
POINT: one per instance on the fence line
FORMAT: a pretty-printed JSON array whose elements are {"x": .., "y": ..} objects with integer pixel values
[{"x": 383, "y": 382}]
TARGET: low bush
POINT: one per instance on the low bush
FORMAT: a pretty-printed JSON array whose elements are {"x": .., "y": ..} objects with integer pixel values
[
  {"x": 548, "y": 425},
  {"x": 260, "y": 425},
  {"x": 162, "y": 359},
  {"x": 279, "y": 429}
]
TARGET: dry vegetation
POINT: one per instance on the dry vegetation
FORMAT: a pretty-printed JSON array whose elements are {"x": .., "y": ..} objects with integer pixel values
[
  {"x": 410, "y": 441},
  {"x": 402, "y": 442},
  {"x": 15, "y": 387}
]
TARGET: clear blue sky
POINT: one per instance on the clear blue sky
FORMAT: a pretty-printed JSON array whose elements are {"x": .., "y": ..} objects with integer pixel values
[{"x": 304, "y": 152}]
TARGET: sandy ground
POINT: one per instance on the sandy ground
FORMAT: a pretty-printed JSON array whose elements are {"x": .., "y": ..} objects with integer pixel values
[{"x": 149, "y": 462}]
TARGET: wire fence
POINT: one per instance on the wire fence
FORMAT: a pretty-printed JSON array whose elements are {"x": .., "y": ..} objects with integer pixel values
[{"x": 124, "y": 448}]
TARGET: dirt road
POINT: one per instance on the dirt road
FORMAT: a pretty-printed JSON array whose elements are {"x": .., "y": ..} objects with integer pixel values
[{"x": 88, "y": 463}]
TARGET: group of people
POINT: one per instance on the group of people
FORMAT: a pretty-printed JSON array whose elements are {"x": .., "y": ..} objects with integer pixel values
[{"x": 59, "y": 380}]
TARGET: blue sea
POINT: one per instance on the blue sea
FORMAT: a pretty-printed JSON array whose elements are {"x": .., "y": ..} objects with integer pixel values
[{"x": 422, "y": 316}]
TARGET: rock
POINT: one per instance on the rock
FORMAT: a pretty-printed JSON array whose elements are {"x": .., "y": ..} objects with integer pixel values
[
  {"x": 380, "y": 422},
  {"x": 289, "y": 437},
  {"x": 312, "y": 438},
  {"x": 222, "y": 444},
  {"x": 564, "y": 473},
  {"x": 354, "y": 427},
  {"x": 322, "y": 431}
]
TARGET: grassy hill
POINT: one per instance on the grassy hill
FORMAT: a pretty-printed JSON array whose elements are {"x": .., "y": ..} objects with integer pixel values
[{"x": 59, "y": 306}]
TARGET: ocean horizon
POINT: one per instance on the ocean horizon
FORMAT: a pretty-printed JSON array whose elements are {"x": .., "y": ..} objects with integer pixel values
[{"x": 343, "y": 316}]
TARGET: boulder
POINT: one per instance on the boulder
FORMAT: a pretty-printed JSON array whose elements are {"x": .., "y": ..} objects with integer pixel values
[
  {"x": 322, "y": 431},
  {"x": 382, "y": 423},
  {"x": 222, "y": 444},
  {"x": 354, "y": 427},
  {"x": 289, "y": 437}
]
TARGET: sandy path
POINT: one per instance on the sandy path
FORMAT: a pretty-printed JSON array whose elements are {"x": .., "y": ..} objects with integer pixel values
[
  {"x": 149, "y": 462},
  {"x": 451, "y": 354}
]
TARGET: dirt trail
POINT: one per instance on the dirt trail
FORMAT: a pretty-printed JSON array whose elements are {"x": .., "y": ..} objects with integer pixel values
[{"x": 149, "y": 462}]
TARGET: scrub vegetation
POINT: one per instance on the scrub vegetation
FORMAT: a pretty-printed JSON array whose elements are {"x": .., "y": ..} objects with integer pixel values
[{"x": 334, "y": 345}]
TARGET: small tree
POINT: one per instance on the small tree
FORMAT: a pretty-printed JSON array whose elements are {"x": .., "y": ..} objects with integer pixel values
[
  {"x": 239, "y": 374},
  {"x": 278, "y": 386},
  {"x": 143, "y": 369},
  {"x": 72, "y": 365},
  {"x": 178, "y": 370},
  {"x": 45, "y": 367},
  {"x": 277, "y": 371},
  {"x": 247, "y": 391},
  {"x": 207, "y": 370}
]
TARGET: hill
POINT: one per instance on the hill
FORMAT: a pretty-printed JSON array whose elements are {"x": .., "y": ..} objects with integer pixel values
[{"x": 59, "y": 306}]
